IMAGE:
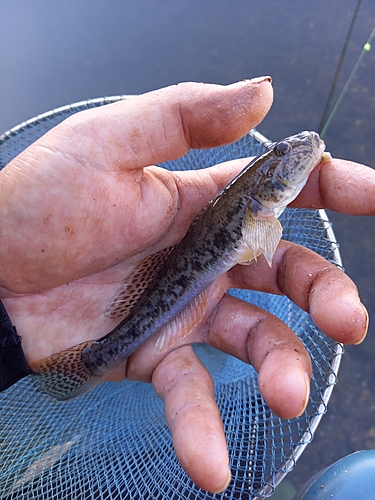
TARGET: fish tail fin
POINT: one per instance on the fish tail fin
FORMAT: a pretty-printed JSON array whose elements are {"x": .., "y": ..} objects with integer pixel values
[{"x": 64, "y": 375}]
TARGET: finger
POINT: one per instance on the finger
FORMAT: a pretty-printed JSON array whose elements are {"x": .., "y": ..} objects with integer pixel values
[
  {"x": 187, "y": 390},
  {"x": 340, "y": 185},
  {"x": 165, "y": 124},
  {"x": 233, "y": 326},
  {"x": 315, "y": 285},
  {"x": 261, "y": 339}
]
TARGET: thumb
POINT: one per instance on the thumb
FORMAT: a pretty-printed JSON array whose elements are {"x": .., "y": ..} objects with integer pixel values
[{"x": 164, "y": 124}]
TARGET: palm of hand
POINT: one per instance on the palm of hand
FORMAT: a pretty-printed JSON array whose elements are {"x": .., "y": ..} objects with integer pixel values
[{"x": 81, "y": 227}]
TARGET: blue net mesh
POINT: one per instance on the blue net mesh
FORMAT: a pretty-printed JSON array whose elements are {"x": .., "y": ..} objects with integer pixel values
[{"x": 114, "y": 442}]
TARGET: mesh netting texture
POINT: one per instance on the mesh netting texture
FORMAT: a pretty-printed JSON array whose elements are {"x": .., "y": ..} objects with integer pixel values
[{"x": 114, "y": 442}]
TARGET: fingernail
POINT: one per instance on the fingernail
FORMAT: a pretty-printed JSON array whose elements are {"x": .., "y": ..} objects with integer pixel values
[
  {"x": 366, "y": 326},
  {"x": 225, "y": 485},
  {"x": 256, "y": 80},
  {"x": 307, "y": 393},
  {"x": 260, "y": 79}
]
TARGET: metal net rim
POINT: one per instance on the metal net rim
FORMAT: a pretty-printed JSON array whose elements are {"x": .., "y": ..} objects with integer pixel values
[{"x": 67, "y": 110}]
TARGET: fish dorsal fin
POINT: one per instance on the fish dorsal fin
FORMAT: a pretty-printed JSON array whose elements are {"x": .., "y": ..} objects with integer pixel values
[
  {"x": 135, "y": 284},
  {"x": 260, "y": 236},
  {"x": 64, "y": 375},
  {"x": 180, "y": 326}
]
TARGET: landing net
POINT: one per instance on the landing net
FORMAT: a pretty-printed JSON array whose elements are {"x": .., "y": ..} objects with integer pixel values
[{"x": 114, "y": 442}]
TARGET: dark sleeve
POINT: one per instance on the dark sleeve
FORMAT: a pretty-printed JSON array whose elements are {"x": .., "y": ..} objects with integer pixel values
[{"x": 13, "y": 364}]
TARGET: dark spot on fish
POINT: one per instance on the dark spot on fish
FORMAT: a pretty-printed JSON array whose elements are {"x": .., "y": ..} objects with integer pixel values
[
  {"x": 198, "y": 265},
  {"x": 182, "y": 281}
]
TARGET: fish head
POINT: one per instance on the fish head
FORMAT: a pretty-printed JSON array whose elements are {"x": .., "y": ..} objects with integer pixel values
[{"x": 287, "y": 166}]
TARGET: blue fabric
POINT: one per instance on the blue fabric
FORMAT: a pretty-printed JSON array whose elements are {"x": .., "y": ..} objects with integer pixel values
[{"x": 349, "y": 478}]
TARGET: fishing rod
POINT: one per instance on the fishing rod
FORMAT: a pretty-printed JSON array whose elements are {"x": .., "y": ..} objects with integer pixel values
[
  {"x": 338, "y": 69},
  {"x": 366, "y": 48},
  {"x": 325, "y": 123}
]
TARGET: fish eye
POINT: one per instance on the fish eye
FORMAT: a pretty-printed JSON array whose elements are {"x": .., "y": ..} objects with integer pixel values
[{"x": 282, "y": 148}]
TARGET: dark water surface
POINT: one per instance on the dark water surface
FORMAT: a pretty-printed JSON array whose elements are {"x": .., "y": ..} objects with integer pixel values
[{"x": 55, "y": 53}]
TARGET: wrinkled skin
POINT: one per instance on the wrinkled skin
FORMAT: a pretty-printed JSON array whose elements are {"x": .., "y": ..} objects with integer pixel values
[{"x": 78, "y": 210}]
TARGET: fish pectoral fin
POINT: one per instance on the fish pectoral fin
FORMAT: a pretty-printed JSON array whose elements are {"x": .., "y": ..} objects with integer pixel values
[
  {"x": 185, "y": 321},
  {"x": 64, "y": 375},
  {"x": 135, "y": 284},
  {"x": 247, "y": 257},
  {"x": 261, "y": 236}
]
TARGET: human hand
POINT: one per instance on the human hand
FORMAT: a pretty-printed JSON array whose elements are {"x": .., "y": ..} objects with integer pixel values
[{"x": 79, "y": 212}]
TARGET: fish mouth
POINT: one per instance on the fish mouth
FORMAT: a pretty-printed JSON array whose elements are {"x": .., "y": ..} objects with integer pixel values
[{"x": 317, "y": 143}]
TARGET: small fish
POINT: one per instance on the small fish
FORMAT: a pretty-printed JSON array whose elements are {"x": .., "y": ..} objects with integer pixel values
[{"x": 167, "y": 292}]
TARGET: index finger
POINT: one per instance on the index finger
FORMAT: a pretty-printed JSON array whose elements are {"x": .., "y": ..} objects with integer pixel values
[
  {"x": 340, "y": 185},
  {"x": 315, "y": 285}
]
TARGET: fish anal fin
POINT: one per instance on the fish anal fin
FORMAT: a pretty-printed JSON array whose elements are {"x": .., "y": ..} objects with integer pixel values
[
  {"x": 135, "y": 284},
  {"x": 64, "y": 375},
  {"x": 261, "y": 235},
  {"x": 185, "y": 321}
]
